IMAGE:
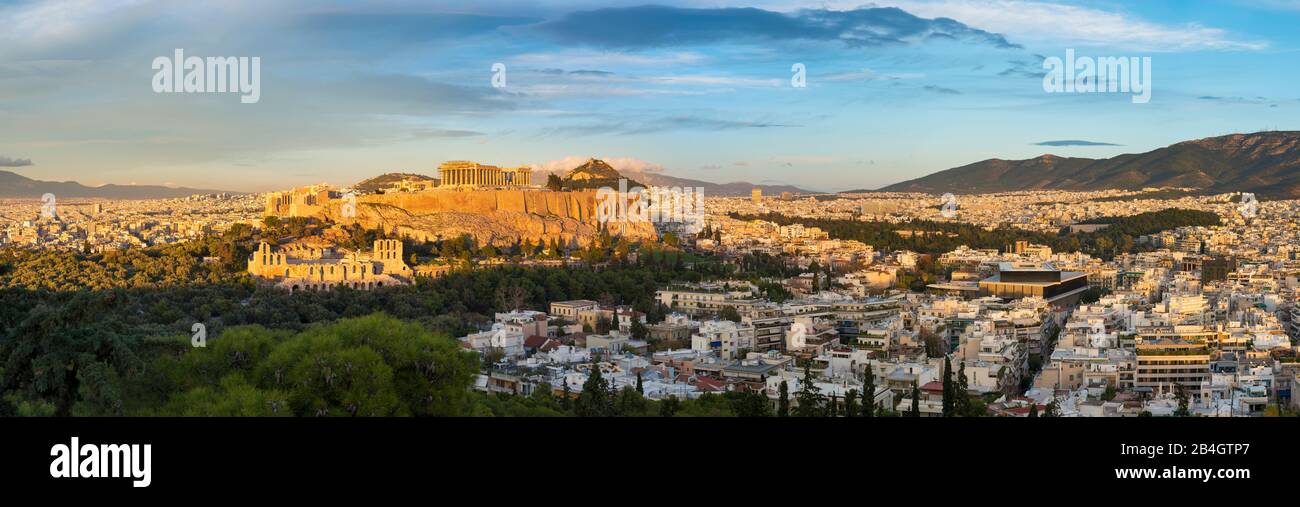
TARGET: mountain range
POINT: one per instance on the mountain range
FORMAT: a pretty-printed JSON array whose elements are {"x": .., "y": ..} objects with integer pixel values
[
  {"x": 1266, "y": 163},
  {"x": 16, "y": 186},
  {"x": 735, "y": 188}
]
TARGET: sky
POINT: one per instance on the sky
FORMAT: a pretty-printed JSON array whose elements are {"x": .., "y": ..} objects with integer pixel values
[{"x": 706, "y": 89}]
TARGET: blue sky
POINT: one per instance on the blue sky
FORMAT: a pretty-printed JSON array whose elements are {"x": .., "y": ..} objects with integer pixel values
[{"x": 693, "y": 88}]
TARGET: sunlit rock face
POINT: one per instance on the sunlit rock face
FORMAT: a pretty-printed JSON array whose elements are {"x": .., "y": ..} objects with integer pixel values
[{"x": 496, "y": 217}]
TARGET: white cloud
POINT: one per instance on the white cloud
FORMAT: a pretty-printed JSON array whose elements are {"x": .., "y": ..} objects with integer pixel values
[
  {"x": 1030, "y": 22},
  {"x": 59, "y": 20},
  {"x": 574, "y": 58}
]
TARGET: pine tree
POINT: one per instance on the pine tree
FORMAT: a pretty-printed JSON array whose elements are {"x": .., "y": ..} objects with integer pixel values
[
  {"x": 639, "y": 387},
  {"x": 594, "y": 401},
  {"x": 783, "y": 403},
  {"x": 916, "y": 401},
  {"x": 809, "y": 396},
  {"x": 948, "y": 390}
]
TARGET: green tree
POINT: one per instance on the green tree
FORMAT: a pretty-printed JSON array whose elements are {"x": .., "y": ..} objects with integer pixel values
[
  {"x": 730, "y": 313},
  {"x": 749, "y": 404},
  {"x": 809, "y": 396},
  {"x": 916, "y": 401},
  {"x": 670, "y": 406},
  {"x": 963, "y": 401},
  {"x": 850, "y": 403},
  {"x": 630, "y": 403},
  {"x": 1180, "y": 393},
  {"x": 783, "y": 402},
  {"x": 868, "y": 391},
  {"x": 594, "y": 401},
  {"x": 949, "y": 390},
  {"x": 1053, "y": 409}
]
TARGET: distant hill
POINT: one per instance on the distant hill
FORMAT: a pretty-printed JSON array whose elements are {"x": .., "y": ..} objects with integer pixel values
[
  {"x": 735, "y": 188},
  {"x": 16, "y": 186},
  {"x": 594, "y": 174},
  {"x": 382, "y": 181},
  {"x": 1266, "y": 163}
]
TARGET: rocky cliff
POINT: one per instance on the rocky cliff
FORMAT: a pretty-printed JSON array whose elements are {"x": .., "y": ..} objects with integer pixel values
[{"x": 497, "y": 217}]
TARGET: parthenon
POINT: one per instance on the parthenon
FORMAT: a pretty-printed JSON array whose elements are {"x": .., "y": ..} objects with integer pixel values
[{"x": 460, "y": 172}]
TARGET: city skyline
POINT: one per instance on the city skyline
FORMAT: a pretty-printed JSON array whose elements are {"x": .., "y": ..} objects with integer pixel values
[{"x": 697, "y": 89}]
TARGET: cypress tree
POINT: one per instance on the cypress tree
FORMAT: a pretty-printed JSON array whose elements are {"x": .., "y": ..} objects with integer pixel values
[
  {"x": 783, "y": 403},
  {"x": 850, "y": 403},
  {"x": 916, "y": 401},
  {"x": 948, "y": 390},
  {"x": 639, "y": 388},
  {"x": 963, "y": 394},
  {"x": 869, "y": 393}
]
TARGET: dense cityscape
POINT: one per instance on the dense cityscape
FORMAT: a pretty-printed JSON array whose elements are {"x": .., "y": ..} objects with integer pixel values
[{"x": 1158, "y": 302}]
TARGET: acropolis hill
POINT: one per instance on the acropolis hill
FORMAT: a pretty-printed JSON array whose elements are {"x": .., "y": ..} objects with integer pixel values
[{"x": 501, "y": 215}]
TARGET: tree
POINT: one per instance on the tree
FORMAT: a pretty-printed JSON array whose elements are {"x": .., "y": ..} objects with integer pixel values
[
  {"x": 850, "y": 403},
  {"x": 639, "y": 330},
  {"x": 554, "y": 182},
  {"x": 934, "y": 346},
  {"x": 916, "y": 401},
  {"x": 783, "y": 403},
  {"x": 629, "y": 403},
  {"x": 639, "y": 388},
  {"x": 834, "y": 405},
  {"x": 670, "y": 406},
  {"x": 1109, "y": 393},
  {"x": 1053, "y": 409},
  {"x": 511, "y": 298},
  {"x": 1180, "y": 393},
  {"x": 730, "y": 313},
  {"x": 748, "y": 404},
  {"x": 594, "y": 401},
  {"x": 566, "y": 403},
  {"x": 963, "y": 402},
  {"x": 949, "y": 389},
  {"x": 1033, "y": 409},
  {"x": 809, "y": 396},
  {"x": 868, "y": 392},
  {"x": 367, "y": 366}
]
